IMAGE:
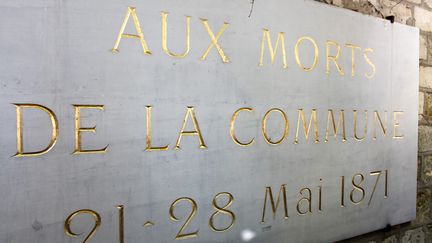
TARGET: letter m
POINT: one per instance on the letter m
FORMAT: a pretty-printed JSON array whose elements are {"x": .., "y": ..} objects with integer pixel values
[
  {"x": 275, "y": 206},
  {"x": 280, "y": 39}
]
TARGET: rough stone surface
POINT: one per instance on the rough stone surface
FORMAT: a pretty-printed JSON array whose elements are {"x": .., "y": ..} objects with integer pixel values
[
  {"x": 426, "y": 77},
  {"x": 426, "y": 170},
  {"x": 428, "y": 3},
  {"x": 415, "y": 1},
  {"x": 428, "y": 232},
  {"x": 424, "y": 204},
  {"x": 423, "y": 18},
  {"x": 425, "y": 139},
  {"x": 391, "y": 239},
  {"x": 421, "y": 102},
  {"x": 428, "y": 106},
  {"x": 429, "y": 52},
  {"x": 338, "y": 3},
  {"x": 401, "y": 12},
  {"x": 416, "y": 235},
  {"x": 423, "y": 52},
  {"x": 365, "y": 7}
]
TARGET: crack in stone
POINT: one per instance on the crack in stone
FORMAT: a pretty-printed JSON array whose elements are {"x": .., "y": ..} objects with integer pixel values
[{"x": 251, "y": 9}]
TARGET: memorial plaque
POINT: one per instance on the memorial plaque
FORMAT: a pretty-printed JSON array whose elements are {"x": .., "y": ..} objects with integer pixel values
[{"x": 204, "y": 121}]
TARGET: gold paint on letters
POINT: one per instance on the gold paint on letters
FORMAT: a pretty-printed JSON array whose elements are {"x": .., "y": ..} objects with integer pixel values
[
  {"x": 353, "y": 47},
  {"x": 357, "y": 187},
  {"x": 222, "y": 210},
  {"x": 181, "y": 235},
  {"x": 378, "y": 174},
  {"x": 297, "y": 56},
  {"x": 148, "y": 133},
  {"x": 232, "y": 124},
  {"x": 306, "y": 129},
  {"x": 214, "y": 41},
  {"x": 196, "y": 132},
  {"x": 20, "y": 126},
  {"x": 121, "y": 223},
  {"x": 308, "y": 199},
  {"x": 386, "y": 185},
  {"x": 320, "y": 197},
  {"x": 79, "y": 130},
  {"x": 383, "y": 125},
  {"x": 139, "y": 35},
  {"x": 366, "y": 57},
  {"x": 341, "y": 119},
  {"x": 396, "y": 124},
  {"x": 333, "y": 58},
  {"x": 264, "y": 125},
  {"x": 281, "y": 39},
  {"x": 70, "y": 218},
  {"x": 164, "y": 36},
  {"x": 148, "y": 224},
  {"x": 342, "y": 191},
  {"x": 273, "y": 205},
  {"x": 365, "y": 125}
]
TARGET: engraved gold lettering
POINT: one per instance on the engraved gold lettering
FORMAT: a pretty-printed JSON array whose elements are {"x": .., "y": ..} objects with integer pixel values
[
  {"x": 139, "y": 35},
  {"x": 148, "y": 224},
  {"x": 306, "y": 128},
  {"x": 148, "y": 134},
  {"x": 320, "y": 197},
  {"x": 281, "y": 40},
  {"x": 396, "y": 124},
  {"x": 194, "y": 207},
  {"x": 341, "y": 121},
  {"x": 214, "y": 41},
  {"x": 196, "y": 132},
  {"x": 69, "y": 219},
  {"x": 333, "y": 58},
  {"x": 353, "y": 47},
  {"x": 342, "y": 191},
  {"x": 121, "y": 223},
  {"x": 297, "y": 56},
  {"x": 79, "y": 130},
  {"x": 222, "y": 210},
  {"x": 264, "y": 125},
  {"x": 357, "y": 187},
  {"x": 308, "y": 199},
  {"x": 378, "y": 174},
  {"x": 232, "y": 125},
  {"x": 355, "y": 125},
  {"x": 386, "y": 184},
  {"x": 274, "y": 206},
  {"x": 164, "y": 37},
  {"x": 382, "y": 125},
  {"x": 371, "y": 64},
  {"x": 20, "y": 127}
]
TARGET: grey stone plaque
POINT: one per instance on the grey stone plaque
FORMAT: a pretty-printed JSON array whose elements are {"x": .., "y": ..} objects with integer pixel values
[{"x": 58, "y": 54}]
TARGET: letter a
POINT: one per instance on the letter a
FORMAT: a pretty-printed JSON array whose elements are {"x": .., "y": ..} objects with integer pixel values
[{"x": 139, "y": 35}]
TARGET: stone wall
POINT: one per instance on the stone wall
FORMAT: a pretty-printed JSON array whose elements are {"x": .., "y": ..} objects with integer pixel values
[{"x": 415, "y": 13}]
